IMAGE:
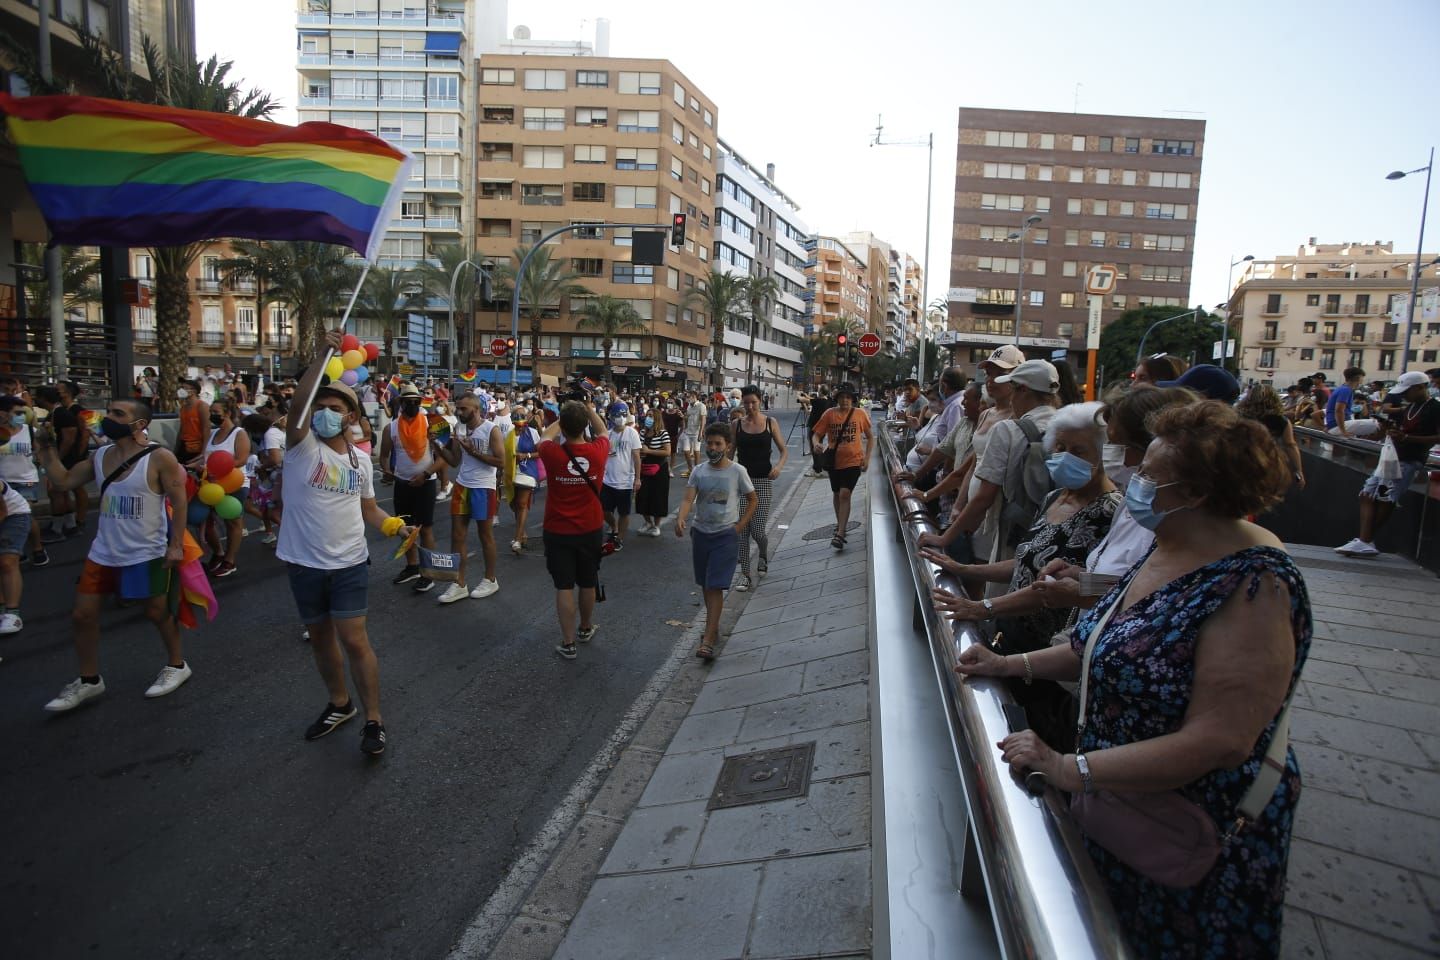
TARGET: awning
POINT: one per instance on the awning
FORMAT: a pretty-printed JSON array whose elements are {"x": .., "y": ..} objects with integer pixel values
[{"x": 443, "y": 44}]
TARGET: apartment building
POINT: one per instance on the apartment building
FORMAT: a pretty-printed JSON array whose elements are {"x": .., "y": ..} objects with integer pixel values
[
  {"x": 1333, "y": 306},
  {"x": 1104, "y": 189},
  {"x": 759, "y": 233},
  {"x": 914, "y": 301},
  {"x": 838, "y": 281},
  {"x": 592, "y": 140}
]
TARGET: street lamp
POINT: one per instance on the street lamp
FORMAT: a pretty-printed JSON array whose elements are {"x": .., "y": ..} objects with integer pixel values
[
  {"x": 454, "y": 278},
  {"x": 929, "y": 143},
  {"x": 1025, "y": 225},
  {"x": 1140, "y": 350},
  {"x": 1419, "y": 247},
  {"x": 1225, "y": 330}
]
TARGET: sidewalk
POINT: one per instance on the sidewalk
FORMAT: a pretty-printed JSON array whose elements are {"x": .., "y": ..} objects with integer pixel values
[
  {"x": 777, "y": 878},
  {"x": 1364, "y": 878}
]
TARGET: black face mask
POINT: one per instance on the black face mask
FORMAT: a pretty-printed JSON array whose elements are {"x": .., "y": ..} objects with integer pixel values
[
  {"x": 215, "y": 419},
  {"x": 410, "y": 407}
]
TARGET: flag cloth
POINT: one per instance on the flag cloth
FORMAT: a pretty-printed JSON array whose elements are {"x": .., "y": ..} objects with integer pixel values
[
  {"x": 110, "y": 172},
  {"x": 469, "y": 375}
]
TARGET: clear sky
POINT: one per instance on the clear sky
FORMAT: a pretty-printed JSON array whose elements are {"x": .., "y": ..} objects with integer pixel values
[{"x": 1307, "y": 104}]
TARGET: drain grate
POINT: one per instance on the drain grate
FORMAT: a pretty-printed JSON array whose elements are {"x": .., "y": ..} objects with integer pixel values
[
  {"x": 765, "y": 775},
  {"x": 828, "y": 531}
]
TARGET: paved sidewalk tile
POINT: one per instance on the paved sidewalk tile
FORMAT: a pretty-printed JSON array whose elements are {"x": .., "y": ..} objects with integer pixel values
[
  {"x": 847, "y": 640},
  {"x": 1362, "y": 892},
  {"x": 836, "y": 815},
  {"x": 684, "y": 776},
  {"x": 809, "y": 711},
  {"x": 655, "y": 838},
  {"x": 813, "y": 906},
  {"x": 839, "y": 751}
]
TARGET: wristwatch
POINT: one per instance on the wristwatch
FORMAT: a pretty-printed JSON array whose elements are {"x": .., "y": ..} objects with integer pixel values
[
  {"x": 988, "y": 605},
  {"x": 1083, "y": 766}
]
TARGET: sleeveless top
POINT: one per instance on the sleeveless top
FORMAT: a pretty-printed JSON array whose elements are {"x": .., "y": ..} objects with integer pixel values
[
  {"x": 192, "y": 431},
  {"x": 17, "y": 457},
  {"x": 133, "y": 527},
  {"x": 228, "y": 445},
  {"x": 752, "y": 450},
  {"x": 403, "y": 466}
]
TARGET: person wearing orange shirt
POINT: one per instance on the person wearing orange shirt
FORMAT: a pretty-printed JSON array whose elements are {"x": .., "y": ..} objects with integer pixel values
[{"x": 841, "y": 428}]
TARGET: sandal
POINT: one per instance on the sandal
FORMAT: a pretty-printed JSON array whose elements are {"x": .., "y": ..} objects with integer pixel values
[
  {"x": 566, "y": 650},
  {"x": 705, "y": 652},
  {"x": 838, "y": 542}
]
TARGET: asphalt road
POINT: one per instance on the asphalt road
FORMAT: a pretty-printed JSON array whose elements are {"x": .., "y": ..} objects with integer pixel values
[{"x": 201, "y": 824}]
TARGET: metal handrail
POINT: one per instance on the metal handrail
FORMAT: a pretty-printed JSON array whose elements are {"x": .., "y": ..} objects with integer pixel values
[{"x": 1045, "y": 897}]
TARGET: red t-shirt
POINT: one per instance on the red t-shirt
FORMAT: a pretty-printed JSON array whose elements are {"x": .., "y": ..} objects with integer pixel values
[{"x": 570, "y": 504}]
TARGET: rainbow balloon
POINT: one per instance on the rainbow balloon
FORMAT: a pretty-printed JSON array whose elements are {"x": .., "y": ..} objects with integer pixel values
[{"x": 132, "y": 174}]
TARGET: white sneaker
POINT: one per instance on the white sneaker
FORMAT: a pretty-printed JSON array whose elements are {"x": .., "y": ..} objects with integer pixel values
[
  {"x": 517, "y": 547},
  {"x": 444, "y": 493},
  {"x": 1363, "y": 549},
  {"x": 73, "y": 694},
  {"x": 456, "y": 591},
  {"x": 168, "y": 680},
  {"x": 270, "y": 540},
  {"x": 486, "y": 588},
  {"x": 11, "y": 623},
  {"x": 1351, "y": 546}
]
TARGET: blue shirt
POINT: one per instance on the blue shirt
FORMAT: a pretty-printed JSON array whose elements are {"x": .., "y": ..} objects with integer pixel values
[{"x": 1340, "y": 399}]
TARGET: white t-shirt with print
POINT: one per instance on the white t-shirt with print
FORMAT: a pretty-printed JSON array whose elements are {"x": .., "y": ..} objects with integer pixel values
[
  {"x": 323, "y": 527},
  {"x": 474, "y": 473},
  {"x": 620, "y": 465}
]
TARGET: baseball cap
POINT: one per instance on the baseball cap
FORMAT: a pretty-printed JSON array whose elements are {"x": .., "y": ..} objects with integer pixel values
[
  {"x": 1408, "y": 380},
  {"x": 618, "y": 409},
  {"x": 1038, "y": 375},
  {"x": 846, "y": 388},
  {"x": 1207, "y": 380},
  {"x": 1006, "y": 357},
  {"x": 343, "y": 392}
]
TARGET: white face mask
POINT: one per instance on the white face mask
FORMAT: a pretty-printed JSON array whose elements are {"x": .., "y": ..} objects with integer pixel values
[{"x": 182, "y": 393}]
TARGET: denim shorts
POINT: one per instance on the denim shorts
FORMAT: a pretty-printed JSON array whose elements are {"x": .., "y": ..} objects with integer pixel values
[
  {"x": 1391, "y": 490},
  {"x": 14, "y": 531},
  {"x": 329, "y": 594},
  {"x": 715, "y": 556}
]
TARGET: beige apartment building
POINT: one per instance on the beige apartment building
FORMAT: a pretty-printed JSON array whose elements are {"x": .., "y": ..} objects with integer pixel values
[
  {"x": 1104, "y": 189},
  {"x": 914, "y": 295},
  {"x": 565, "y": 140},
  {"x": 840, "y": 281},
  {"x": 1333, "y": 306}
]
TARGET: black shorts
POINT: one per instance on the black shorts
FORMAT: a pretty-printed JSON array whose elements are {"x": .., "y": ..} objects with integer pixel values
[
  {"x": 573, "y": 559},
  {"x": 615, "y": 500},
  {"x": 844, "y": 479},
  {"x": 415, "y": 504}
]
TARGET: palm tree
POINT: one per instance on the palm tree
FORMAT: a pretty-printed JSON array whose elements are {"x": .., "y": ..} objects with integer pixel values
[
  {"x": 79, "y": 278},
  {"x": 718, "y": 296},
  {"x": 173, "y": 81},
  {"x": 611, "y": 317},
  {"x": 816, "y": 354},
  {"x": 387, "y": 295},
  {"x": 434, "y": 280},
  {"x": 545, "y": 282},
  {"x": 760, "y": 293},
  {"x": 313, "y": 279},
  {"x": 852, "y": 327}
]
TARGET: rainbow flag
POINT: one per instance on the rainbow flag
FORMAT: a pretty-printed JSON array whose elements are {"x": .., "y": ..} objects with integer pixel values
[
  {"x": 469, "y": 375},
  {"x": 132, "y": 174}
]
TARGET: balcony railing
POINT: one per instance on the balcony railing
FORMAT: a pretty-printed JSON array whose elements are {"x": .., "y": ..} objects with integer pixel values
[
  {"x": 204, "y": 285},
  {"x": 1333, "y": 339},
  {"x": 279, "y": 341},
  {"x": 440, "y": 183},
  {"x": 1331, "y": 309},
  {"x": 1272, "y": 336},
  {"x": 244, "y": 284},
  {"x": 210, "y": 338},
  {"x": 442, "y": 223},
  {"x": 1276, "y": 311},
  {"x": 144, "y": 335},
  {"x": 244, "y": 340},
  {"x": 1365, "y": 310}
]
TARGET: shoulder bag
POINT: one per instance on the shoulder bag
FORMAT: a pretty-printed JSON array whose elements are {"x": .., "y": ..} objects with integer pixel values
[
  {"x": 1164, "y": 836},
  {"x": 827, "y": 457}
]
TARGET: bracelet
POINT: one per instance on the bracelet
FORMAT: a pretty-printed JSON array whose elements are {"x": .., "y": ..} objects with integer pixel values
[
  {"x": 1029, "y": 672},
  {"x": 1083, "y": 766}
]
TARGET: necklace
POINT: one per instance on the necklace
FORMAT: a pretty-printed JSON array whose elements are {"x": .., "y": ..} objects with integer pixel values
[{"x": 1412, "y": 416}]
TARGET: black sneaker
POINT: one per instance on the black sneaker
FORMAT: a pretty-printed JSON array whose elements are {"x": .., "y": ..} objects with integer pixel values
[
  {"x": 72, "y": 531},
  {"x": 40, "y": 558},
  {"x": 763, "y": 565},
  {"x": 423, "y": 585},
  {"x": 586, "y": 634},
  {"x": 330, "y": 718},
  {"x": 406, "y": 575},
  {"x": 372, "y": 738}
]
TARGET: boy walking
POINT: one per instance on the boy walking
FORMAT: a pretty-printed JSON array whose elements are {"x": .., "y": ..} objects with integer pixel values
[{"x": 714, "y": 493}]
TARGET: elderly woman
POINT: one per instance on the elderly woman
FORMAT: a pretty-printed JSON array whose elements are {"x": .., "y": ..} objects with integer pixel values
[{"x": 1188, "y": 664}]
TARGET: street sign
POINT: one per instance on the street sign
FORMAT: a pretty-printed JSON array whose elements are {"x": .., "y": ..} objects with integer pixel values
[
  {"x": 1092, "y": 326},
  {"x": 962, "y": 295},
  {"x": 1229, "y": 350},
  {"x": 498, "y": 347},
  {"x": 406, "y": 370},
  {"x": 1059, "y": 354},
  {"x": 869, "y": 344},
  {"x": 1100, "y": 279}
]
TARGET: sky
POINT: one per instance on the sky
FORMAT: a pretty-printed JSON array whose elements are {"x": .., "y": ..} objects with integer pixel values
[{"x": 1308, "y": 105}]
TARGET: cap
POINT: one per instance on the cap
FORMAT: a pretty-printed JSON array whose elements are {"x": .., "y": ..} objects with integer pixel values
[
  {"x": 342, "y": 391},
  {"x": 846, "y": 388},
  {"x": 1038, "y": 375},
  {"x": 1207, "y": 380},
  {"x": 617, "y": 409},
  {"x": 1409, "y": 380},
  {"x": 1006, "y": 357},
  {"x": 408, "y": 389}
]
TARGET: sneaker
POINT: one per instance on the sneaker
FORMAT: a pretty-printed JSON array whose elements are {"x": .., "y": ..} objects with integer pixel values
[
  {"x": 1347, "y": 547},
  {"x": 212, "y": 565},
  {"x": 168, "y": 680},
  {"x": 270, "y": 540},
  {"x": 406, "y": 575},
  {"x": 10, "y": 623},
  {"x": 372, "y": 738},
  {"x": 619, "y": 544},
  {"x": 305, "y": 636},
  {"x": 423, "y": 585},
  {"x": 566, "y": 650},
  {"x": 485, "y": 589},
  {"x": 223, "y": 569},
  {"x": 456, "y": 591},
  {"x": 40, "y": 558},
  {"x": 73, "y": 694},
  {"x": 1362, "y": 549},
  {"x": 71, "y": 531},
  {"x": 517, "y": 547},
  {"x": 586, "y": 634},
  {"x": 330, "y": 718},
  {"x": 763, "y": 566},
  {"x": 745, "y": 585},
  {"x": 444, "y": 494}
]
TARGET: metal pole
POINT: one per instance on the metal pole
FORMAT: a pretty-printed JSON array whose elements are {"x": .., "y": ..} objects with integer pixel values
[
  {"x": 925, "y": 277},
  {"x": 59, "y": 360},
  {"x": 1415, "y": 275},
  {"x": 1225, "y": 320},
  {"x": 1020, "y": 283},
  {"x": 344, "y": 319},
  {"x": 454, "y": 278},
  {"x": 1140, "y": 350}
]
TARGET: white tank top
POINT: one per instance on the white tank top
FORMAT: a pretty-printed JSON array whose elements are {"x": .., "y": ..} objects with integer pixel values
[
  {"x": 475, "y": 473},
  {"x": 17, "y": 457},
  {"x": 405, "y": 468},
  {"x": 132, "y": 527},
  {"x": 228, "y": 444}
]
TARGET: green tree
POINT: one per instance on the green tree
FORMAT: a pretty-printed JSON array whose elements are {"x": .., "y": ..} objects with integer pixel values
[
  {"x": 386, "y": 296},
  {"x": 610, "y": 317},
  {"x": 544, "y": 284},
  {"x": 171, "y": 80},
  {"x": 852, "y": 327},
  {"x": 885, "y": 369},
  {"x": 79, "y": 278},
  {"x": 937, "y": 358},
  {"x": 760, "y": 294},
  {"x": 1192, "y": 337},
  {"x": 817, "y": 354},
  {"x": 434, "y": 279},
  {"x": 718, "y": 296},
  {"x": 312, "y": 279}
]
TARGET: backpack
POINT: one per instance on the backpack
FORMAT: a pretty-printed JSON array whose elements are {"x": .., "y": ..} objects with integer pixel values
[{"x": 1024, "y": 494}]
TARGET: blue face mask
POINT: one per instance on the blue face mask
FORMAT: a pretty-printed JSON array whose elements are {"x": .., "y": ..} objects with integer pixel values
[
  {"x": 649, "y": 421},
  {"x": 1140, "y": 501},
  {"x": 1068, "y": 470},
  {"x": 326, "y": 423},
  {"x": 17, "y": 419}
]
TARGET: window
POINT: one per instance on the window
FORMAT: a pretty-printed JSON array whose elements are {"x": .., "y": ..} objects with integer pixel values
[
  {"x": 544, "y": 118},
  {"x": 672, "y": 278},
  {"x": 592, "y": 78},
  {"x": 1006, "y": 171},
  {"x": 1127, "y": 178},
  {"x": 677, "y": 131},
  {"x": 1072, "y": 238},
  {"x": 1101, "y": 208},
  {"x": 631, "y": 273},
  {"x": 550, "y": 158},
  {"x": 144, "y": 266},
  {"x": 1357, "y": 358},
  {"x": 588, "y": 192},
  {"x": 998, "y": 264},
  {"x": 1037, "y": 268},
  {"x": 1036, "y": 298},
  {"x": 1267, "y": 357},
  {"x": 638, "y": 121},
  {"x": 1310, "y": 326},
  {"x": 1327, "y": 359},
  {"x": 588, "y": 266},
  {"x": 1075, "y": 175},
  {"x": 1066, "y": 330},
  {"x": 636, "y": 158},
  {"x": 1307, "y": 353},
  {"x": 1103, "y": 174},
  {"x": 1118, "y": 301},
  {"x": 1122, "y": 240},
  {"x": 728, "y": 221},
  {"x": 1077, "y": 143},
  {"x": 1166, "y": 211},
  {"x": 677, "y": 169},
  {"x": 542, "y": 194},
  {"x": 1006, "y": 138},
  {"x": 705, "y": 150},
  {"x": 1067, "y": 299},
  {"x": 1042, "y": 204},
  {"x": 1047, "y": 141},
  {"x": 544, "y": 79},
  {"x": 588, "y": 153},
  {"x": 1152, "y": 241},
  {"x": 1107, "y": 145},
  {"x": 502, "y": 77},
  {"x": 211, "y": 320},
  {"x": 591, "y": 116},
  {"x": 679, "y": 94},
  {"x": 1132, "y": 144},
  {"x": 646, "y": 83},
  {"x": 634, "y": 198},
  {"x": 1387, "y": 359},
  {"x": 1097, "y": 238},
  {"x": 1045, "y": 173},
  {"x": 1040, "y": 235},
  {"x": 1312, "y": 299},
  {"x": 1072, "y": 206},
  {"x": 441, "y": 87},
  {"x": 672, "y": 314},
  {"x": 1183, "y": 148},
  {"x": 1070, "y": 268},
  {"x": 1170, "y": 180},
  {"x": 412, "y": 209},
  {"x": 1001, "y": 201},
  {"x": 1162, "y": 274},
  {"x": 1127, "y": 208}
]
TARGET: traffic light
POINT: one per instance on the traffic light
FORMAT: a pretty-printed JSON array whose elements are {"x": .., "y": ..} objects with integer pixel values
[
  {"x": 840, "y": 341},
  {"x": 509, "y": 345},
  {"x": 677, "y": 230},
  {"x": 852, "y": 356}
]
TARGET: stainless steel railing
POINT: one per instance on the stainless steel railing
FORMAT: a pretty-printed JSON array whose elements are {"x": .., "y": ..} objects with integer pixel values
[{"x": 1045, "y": 898}]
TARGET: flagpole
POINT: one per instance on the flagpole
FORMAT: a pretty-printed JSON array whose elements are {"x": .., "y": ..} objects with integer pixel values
[{"x": 344, "y": 319}]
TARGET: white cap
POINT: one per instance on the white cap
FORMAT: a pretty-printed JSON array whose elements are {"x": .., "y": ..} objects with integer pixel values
[
  {"x": 1038, "y": 375},
  {"x": 1408, "y": 380}
]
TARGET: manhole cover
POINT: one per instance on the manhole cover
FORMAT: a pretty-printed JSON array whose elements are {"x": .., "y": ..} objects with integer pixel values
[
  {"x": 778, "y": 774},
  {"x": 826, "y": 532}
]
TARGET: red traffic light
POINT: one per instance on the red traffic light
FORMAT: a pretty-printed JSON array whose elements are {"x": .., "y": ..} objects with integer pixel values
[
  {"x": 841, "y": 340},
  {"x": 677, "y": 230}
]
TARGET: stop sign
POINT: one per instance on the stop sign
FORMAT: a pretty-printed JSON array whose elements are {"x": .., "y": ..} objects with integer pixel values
[
  {"x": 869, "y": 344},
  {"x": 498, "y": 347}
]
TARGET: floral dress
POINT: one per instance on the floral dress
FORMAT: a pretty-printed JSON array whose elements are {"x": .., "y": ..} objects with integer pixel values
[{"x": 1141, "y": 674}]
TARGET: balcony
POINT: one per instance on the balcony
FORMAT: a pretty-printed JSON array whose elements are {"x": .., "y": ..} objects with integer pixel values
[
  {"x": 1278, "y": 311},
  {"x": 1365, "y": 310},
  {"x": 442, "y": 223},
  {"x": 210, "y": 338},
  {"x": 1271, "y": 337},
  {"x": 279, "y": 341},
  {"x": 314, "y": 59},
  {"x": 442, "y": 143},
  {"x": 144, "y": 335},
  {"x": 1333, "y": 338},
  {"x": 207, "y": 285},
  {"x": 443, "y": 184},
  {"x": 244, "y": 285},
  {"x": 245, "y": 340},
  {"x": 315, "y": 101},
  {"x": 1332, "y": 310}
]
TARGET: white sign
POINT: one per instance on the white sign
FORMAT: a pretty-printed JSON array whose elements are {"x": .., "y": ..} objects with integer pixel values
[
  {"x": 1092, "y": 325},
  {"x": 1430, "y": 304},
  {"x": 1400, "y": 308},
  {"x": 1229, "y": 350},
  {"x": 1100, "y": 279},
  {"x": 962, "y": 294}
]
